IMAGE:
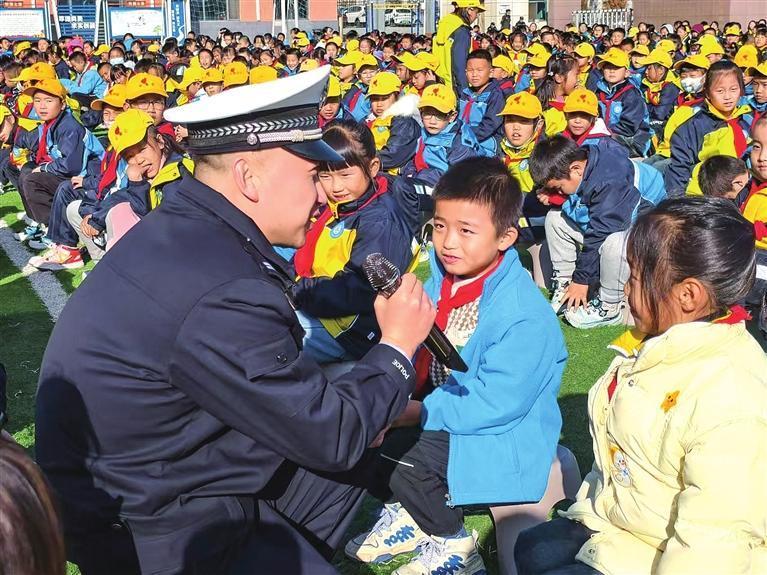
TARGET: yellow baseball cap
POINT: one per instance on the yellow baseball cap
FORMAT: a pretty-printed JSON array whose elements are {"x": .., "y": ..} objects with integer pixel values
[
  {"x": 337, "y": 40},
  {"x": 470, "y": 4},
  {"x": 261, "y": 74},
  {"x": 212, "y": 76},
  {"x": 334, "y": 88},
  {"x": 153, "y": 48},
  {"x": 431, "y": 61},
  {"x": 535, "y": 49},
  {"x": 538, "y": 60},
  {"x": 411, "y": 62},
  {"x": 640, "y": 49},
  {"x": 582, "y": 100},
  {"x": 5, "y": 112},
  {"x": 37, "y": 71},
  {"x": 633, "y": 31},
  {"x": 614, "y": 56},
  {"x": 733, "y": 30},
  {"x": 20, "y": 47},
  {"x": 367, "y": 60},
  {"x": 301, "y": 42},
  {"x": 352, "y": 45},
  {"x": 760, "y": 70},
  {"x": 658, "y": 56},
  {"x": 115, "y": 97},
  {"x": 694, "y": 61},
  {"x": 236, "y": 74},
  {"x": 710, "y": 48},
  {"x": 128, "y": 129},
  {"x": 666, "y": 46},
  {"x": 504, "y": 63},
  {"x": 103, "y": 49},
  {"x": 524, "y": 105},
  {"x": 307, "y": 65},
  {"x": 144, "y": 84},
  {"x": 747, "y": 56},
  {"x": 585, "y": 50},
  {"x": 191, "y": 75},
  {"x": 384, "y": 84},
  {"x": 349, "y": 59},
  {"x": 439, "y": 97},
  {"x": 50, "y": 86}
]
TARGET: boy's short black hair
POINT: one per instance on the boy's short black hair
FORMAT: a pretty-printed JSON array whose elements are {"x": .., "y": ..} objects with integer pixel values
[
  {"x": 484, "y": 181},
  {"x": 480, "y": 55},
  {"x": 77, "y": 55},
  {"x": 551, "y": 159},
  {"x": 717, "y": 173}
]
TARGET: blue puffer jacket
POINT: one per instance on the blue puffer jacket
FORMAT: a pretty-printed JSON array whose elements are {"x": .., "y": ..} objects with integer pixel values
[
  {"x": 614, "y": 190},
  {"x": 502, "y": 414}
]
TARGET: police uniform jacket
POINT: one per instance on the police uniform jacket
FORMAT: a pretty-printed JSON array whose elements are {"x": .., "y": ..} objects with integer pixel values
[{"x": 174, "y": 386}]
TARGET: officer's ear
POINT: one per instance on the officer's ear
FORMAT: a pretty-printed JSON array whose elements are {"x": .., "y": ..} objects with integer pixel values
[{"x": 246, "y": 177}]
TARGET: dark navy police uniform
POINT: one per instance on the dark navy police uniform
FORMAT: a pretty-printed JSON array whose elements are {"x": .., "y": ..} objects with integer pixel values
[{"x": 180, "y": 424}]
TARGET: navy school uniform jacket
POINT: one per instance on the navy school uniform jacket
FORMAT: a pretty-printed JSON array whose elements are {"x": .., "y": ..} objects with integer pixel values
[
  {"x": 592, "y": 80},
  {"x": 402, "y": 143},
  {"x": 174, "y": 386},
  {"x": 660, "y": 105},
  {"x": 356, "y": 102},
  {"x": 66, "y": 146},
  {"x": 480, "y": 111},
  {"x": 459, "y": 51},
  {"x": 624, "y": 111}
]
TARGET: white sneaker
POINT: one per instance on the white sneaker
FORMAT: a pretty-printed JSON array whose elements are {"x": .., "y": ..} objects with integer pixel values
[
  {"x": 394, "y": 533},
  {"x": 558, "y": 289},
  {"x": 455, "y": 556},
  {"x": 595, "y": 314}
]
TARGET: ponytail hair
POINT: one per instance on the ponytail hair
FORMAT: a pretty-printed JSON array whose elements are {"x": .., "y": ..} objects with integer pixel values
[{"x": 558, "y": 65}]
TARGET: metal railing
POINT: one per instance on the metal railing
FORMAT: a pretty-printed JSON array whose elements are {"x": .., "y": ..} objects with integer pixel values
[{"x": 622, "y": 17}]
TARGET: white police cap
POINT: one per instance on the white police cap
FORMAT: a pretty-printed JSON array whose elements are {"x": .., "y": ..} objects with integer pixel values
[{"x": 281, "y": 113}]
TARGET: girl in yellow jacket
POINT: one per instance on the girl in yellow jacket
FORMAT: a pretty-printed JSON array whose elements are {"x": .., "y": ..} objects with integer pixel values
[{"x": 679, "y": 424}]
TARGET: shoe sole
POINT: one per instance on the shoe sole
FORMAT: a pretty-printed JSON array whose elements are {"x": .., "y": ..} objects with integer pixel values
[
  {"x": 614, "y": 321},
  {"x": 59, "y": 267},
  {"x": 385, "y": 558}
]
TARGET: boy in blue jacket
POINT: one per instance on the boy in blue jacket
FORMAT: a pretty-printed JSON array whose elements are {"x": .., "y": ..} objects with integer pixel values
[
  {"x": 621, "y": 103},
  {"x": 59, "y": 152},
  {"x": 481, "y": 103},
  {"x": 489, "y": 435},
  {"x": 88, "y": 84},
  {"x": 604, "y": 192},
  {"x": 444, "y": 139}
]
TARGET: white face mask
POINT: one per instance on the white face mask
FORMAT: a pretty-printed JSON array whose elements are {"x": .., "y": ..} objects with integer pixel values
[
  {"x": 692, "y": 85},
  {"x": 116, "y": 61}
]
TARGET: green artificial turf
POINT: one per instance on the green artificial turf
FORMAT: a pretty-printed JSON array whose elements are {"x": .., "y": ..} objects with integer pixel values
[{"x": 25, "y": 327}]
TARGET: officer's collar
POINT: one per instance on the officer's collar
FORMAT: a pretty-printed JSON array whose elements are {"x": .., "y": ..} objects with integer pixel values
[{"x": 253, "y": 238}]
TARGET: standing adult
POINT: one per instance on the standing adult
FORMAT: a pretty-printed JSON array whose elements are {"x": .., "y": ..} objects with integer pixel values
[
  {"x": 178, "y": 420},
  {"x": 452, "y": 43}
]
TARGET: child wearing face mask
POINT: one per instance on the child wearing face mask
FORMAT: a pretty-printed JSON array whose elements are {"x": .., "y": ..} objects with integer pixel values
[
  {"x": 692, "y": 76},
  {"x": 721, "y": 127}
]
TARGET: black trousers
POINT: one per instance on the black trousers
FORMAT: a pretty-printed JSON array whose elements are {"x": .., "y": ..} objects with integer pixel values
[
  {"x": 411, "y": 468},
  {"x": 550, "y": 549},
  {"x": 37, "y": 190},
  {"x": 301, "y": 520}
]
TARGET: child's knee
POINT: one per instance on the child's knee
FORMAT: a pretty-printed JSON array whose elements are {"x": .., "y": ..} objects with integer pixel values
[{"x": 614, "y": 246}]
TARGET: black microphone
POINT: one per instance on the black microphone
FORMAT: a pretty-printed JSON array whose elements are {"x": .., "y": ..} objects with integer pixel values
[{"x": 384, "y": 277}]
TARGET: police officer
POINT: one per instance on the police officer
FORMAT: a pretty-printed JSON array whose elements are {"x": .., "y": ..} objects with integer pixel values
[{"x": 178, "y": 420}]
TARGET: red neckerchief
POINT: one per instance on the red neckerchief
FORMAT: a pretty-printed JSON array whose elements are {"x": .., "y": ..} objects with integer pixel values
[
  {"x": 167, "y": 129},
  {"x": 447, "y": 303},
  {"x": 419, "y": 160},
  {"x": 739, "y": 138},
  {"x": 653, "y": 98},
  {"x": 42, "y": 156},
  {"x": 682, "y": 100},
  {"x": 108, "y": 172},
  {"x": 757, "y": 115},
  {"x": 557, "y": 105},
  {"x": 607, "y": 101},
  {"x": 303, "y": 261}
]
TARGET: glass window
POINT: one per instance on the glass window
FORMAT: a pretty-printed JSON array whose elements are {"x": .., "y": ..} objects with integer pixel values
[
  {"x": 537, "y": 10},
  {"x": 210, "y": 10},
  {"x": 303, "y": 9}
]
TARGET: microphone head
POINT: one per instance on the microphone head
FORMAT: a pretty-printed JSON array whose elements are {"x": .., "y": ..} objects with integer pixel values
[{"x": 383, "y": 275}]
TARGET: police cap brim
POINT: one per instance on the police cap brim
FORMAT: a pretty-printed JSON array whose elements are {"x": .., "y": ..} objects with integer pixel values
[{"x": 317, "y": 151}]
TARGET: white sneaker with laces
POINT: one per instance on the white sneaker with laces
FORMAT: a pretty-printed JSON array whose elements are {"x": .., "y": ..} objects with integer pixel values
[
  {"x": 558, "y": 289},
  {"x": 454, "y": 556},
  {"x": 394, "y": 533},
  {"x": 595, "y": 314}
]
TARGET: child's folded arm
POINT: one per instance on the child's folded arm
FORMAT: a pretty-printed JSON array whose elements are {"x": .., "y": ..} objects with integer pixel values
[
  {"x": 349, "y": 292},
  {"x": 511, "y": 377},
  {"x": 402, "y": 144}
]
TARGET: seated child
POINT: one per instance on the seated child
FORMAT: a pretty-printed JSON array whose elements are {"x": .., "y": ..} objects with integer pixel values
[
  {"x": 661, "y": 89},
  {"x": 604, "y": 193},
  {"x": 669, "y": 435},
  {"x": 333, "y": 297},
  {"x": 212, "y": 81},
  {"x": 723, "y": 177},
  {"x": 584, "y": 126},
  {"x": 356, "y": 102},
  {"x": 588, "y": 75},
  {"x": 722, "y": 126},
  {"x": 636, "y": 64},
  {"x": 621, "y": 103},
  {"x": 7, "y": 130},
  {"x": 147, "y": 93},
  {"x": 534, "y": 70},
  {"x": 391, "y": 121},
  {"x": 754, "y": 209},
  {"x": 331, "y": 108},
  {"x": 482, "y": 437},
  {"x": 444, "y": 139},
  {"x": 561, "y": 80},
  {"x": 87, "y": 85},
  {"x": 758, "y": 99},
  {"x": 59, "y": 152},
  {"x": 504, "y": 70},
  {"x": 482, "y": 101}
]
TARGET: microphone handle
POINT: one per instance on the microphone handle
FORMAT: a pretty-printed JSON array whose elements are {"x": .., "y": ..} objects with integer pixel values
[{"x": 444, "y": 351}]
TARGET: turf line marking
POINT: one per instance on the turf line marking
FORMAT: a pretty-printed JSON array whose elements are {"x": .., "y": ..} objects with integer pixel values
[{"x": 45, "y": 284}]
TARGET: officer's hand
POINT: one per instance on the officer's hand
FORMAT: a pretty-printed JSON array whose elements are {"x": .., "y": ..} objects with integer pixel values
[{"x": 406, "y": 317}]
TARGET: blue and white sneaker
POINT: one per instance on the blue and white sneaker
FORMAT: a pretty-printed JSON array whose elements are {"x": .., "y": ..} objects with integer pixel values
[
  {"x": 394, "y": 533},
  {"x": 33, "y": 231},
  {"x": 40, "y": 244},
  {"x": 451, "y": 555},
  {"x": 596, "y": 314}
]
